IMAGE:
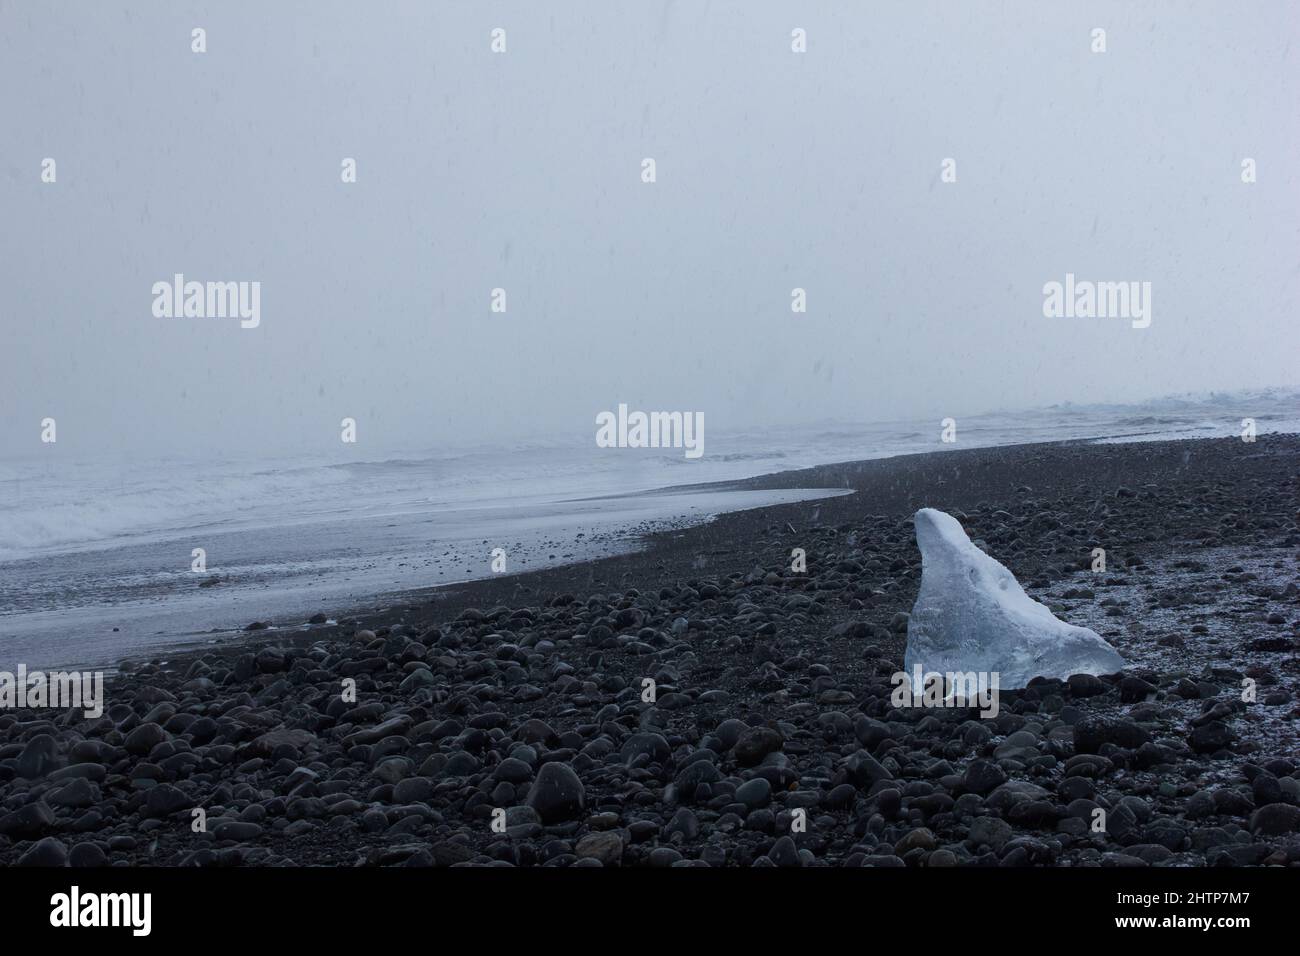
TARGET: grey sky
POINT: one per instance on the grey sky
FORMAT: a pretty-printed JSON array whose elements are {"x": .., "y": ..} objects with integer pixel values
[{"x": 522, "y": 170}]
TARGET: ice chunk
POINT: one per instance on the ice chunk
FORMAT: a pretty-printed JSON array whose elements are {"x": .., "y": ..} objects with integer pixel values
[{"x": 973, "y": 615}]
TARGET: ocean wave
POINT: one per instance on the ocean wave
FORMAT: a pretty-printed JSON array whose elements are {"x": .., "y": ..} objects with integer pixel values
[{"x": 88, "y": 505}]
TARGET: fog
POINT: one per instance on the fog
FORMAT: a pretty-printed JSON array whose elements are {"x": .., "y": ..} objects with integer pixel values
[{"x": 522, "y": 170}]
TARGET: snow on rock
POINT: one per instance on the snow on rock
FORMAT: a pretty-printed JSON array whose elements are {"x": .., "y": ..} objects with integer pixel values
[{"x": 972, "y": 615}]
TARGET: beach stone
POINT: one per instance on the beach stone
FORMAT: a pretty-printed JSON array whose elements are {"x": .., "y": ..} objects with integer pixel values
[
  {"x": 889, "y": 801},
  {"x": 785, "y": 853},
  {"x": 420, "y": 677},
  {"x": 1266, "y": 789},
  {"x": 1211, "y": 738},
  {"x": 557, "y": 793},
  {"x": 79, "y": 793},
  {"x": 87, "y": 855},
  {"x": 1093, "y": 731},
  {"x": 1166, "y": 834},
  {"x": 869, "y": 731},
  {"x": 1250, "y": 854},
  {"x": 413, "y": 790},
  {"x": 1076, "y": 788},
  {"x": 46, "y": 852},
  {"x": 992, "y": 831},
  {"x": 1085, "y": 685},
  {"x": 461, "y": 764},
  {"x": 238, "y": 831},
  {"x": 268, "y": 743},
  {"x": 651, "y": 745},
  {"x": 605, "y": 846},
  {"x": 270, "y": 660},
  {"x": 450, "y": 853},
  {"x": 1275, "y": 819},
  {"x": 1230, "y": 802},
  {"x": 663, "y": 857},
  {"x": 685, "y": 822},
  {"x": 38, "y": 757},
  {"x": 1134, "y": 689},
  {"x": 393, "y": 727},
  {"x": 729, "y": 732},
  {"x": 393, "y": 769},
  {"x": 165, "y": 799},
  {"x": 695, "y": 774},
  {"x": 982, "y": 776},
  {"x": 919, "y": 838},
  {"x": 144, "y": 738},
  {"x": 534, "y": 731},
  {"x": 865, "y": 769},
  {"x": 27, "y": 821},
  {"x": 754, "y": 793},
  {"x": 755, "y": 744}
]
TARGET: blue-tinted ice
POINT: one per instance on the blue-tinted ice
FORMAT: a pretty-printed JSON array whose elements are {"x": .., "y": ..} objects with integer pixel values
[{"x": 973, "y": 615}]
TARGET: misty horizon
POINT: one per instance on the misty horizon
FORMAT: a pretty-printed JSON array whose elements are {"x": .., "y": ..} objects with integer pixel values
[
  {"x": 327, "y": 445},
  {"x": 823, "y": 172}
]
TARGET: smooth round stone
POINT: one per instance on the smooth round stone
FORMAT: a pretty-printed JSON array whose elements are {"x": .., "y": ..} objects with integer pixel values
[
  {"x": 604, "y": 846},
  {"x": 557, "y": 794},
  {"x": 87, "y": 855},
  {"x": 47, "y": 852},
  {"x": 754, "y": 793}
]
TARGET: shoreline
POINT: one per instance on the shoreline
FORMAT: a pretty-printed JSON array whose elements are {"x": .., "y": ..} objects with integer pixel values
[
  {"x": 134, "y": 603},
  {"x": 523, "y": 693},
  {"x": 662, "y": 555}
]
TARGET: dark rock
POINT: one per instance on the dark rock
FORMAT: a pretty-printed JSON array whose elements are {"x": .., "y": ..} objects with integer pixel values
[
  {"x": 1086, "y": 685},
  {"x": 557, "y": 794},
  {"x": 1093, "y": 731},
  {"x": 982, "y": 776},
  {"x": 47, "y": 852},
  {"x": 165, "y": 799},
  {"x": 238, "y": 831},
  {"x": 652, "y": 745},
  {"x": 695, "y": 774},
  {"x": 1275, "y": 819},
  {"x": 1211, "y": 738},
  {"x": 606, "y": 846},
  {"x": 920, "y": 838},
  {"x": 87, "y": 855},
  {"x": 755, "y": 744},
  {"x": 1134, "y": 689},
  {"x": 784, "y": 853},
  {"x": 864, "y": 769},
  {"x": 992, "y": 831},
  {"x": 27, "y": 821},
  {"x": 144, "y": 738},
  {"x": 38, "y": 757},
  {"x": 754, "y": 793}
]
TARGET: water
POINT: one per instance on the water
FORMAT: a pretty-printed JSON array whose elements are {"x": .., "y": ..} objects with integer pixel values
[{"x": 95, "y": 557}]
